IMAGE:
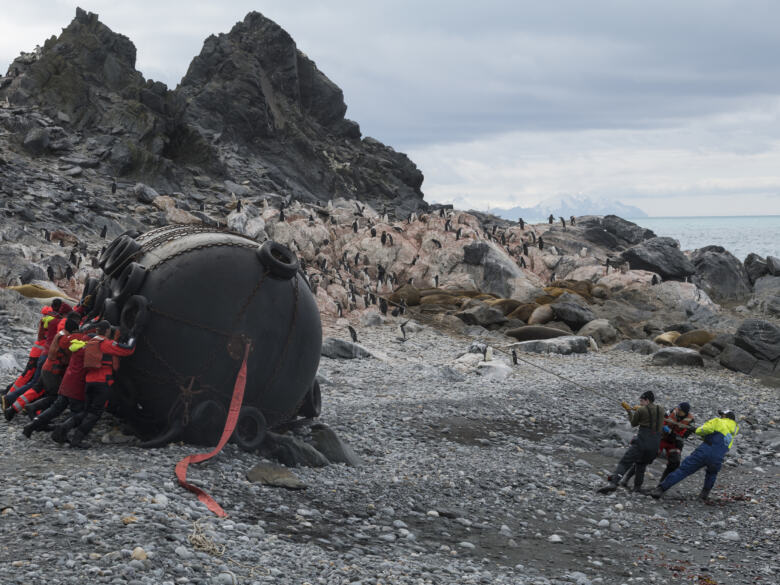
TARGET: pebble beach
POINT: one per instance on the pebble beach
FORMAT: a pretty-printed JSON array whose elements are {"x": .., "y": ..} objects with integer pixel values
[{"x": 472, "y": 472}]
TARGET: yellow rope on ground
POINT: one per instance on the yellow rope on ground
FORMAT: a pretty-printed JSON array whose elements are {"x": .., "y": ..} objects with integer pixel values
[{"x": 199, "y": 541}]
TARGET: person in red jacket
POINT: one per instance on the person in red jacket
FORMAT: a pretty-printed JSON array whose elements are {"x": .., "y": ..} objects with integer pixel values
[
  {"x": 99, "y": 378},
  {"x": 71, "y": 392}
]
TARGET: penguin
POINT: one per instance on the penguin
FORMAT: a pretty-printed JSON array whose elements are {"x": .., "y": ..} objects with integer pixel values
[
  {"x": 571, "y": 220},
  {"x": 402, "y": 329},
  {"x": 533, "y": 237},
  {"x": 352, "y": 334},
  {"x": 410, "y": 281},
  {"x": 69, "y": 273},
  {"x": 522, "y": 262},
  {"x": 494, "y": 229},
  {"x": 522, "y": 224},
  {"x": 458, "y": 233},
  {"x": 354, "y": 226},
  {"x": 552, "y": 277},
  {"x": 113, "y": 186},
  {"x": 563, "y": 222},
  {"x": 441, "y": 212},
  {"x": 395, "y": 312},
  {"x": 447, "y": 225},
  {"x": 383, "y": 239},
  {"x": 281, "y": 214},
  {"x": 73, "y": 259},
  {"x": 525, "y": 248},
  {"x": 503, "y": 239},
  {"x": 437, "y": 242},
  {"x": 238, "y": 206},
  {"x": 104, "y": 231},
  {"x": 514, "y": 357},
  {"x": 373, "y": 232},
  {"x": 357, "y": 258},
  {"x": 398, "y": 228},
  {"x": 203, "y": 206},
  {"x": 340, "y": 311},
  {"x": 372, "y": 298},
  {"x": 62, "y": 244},
  {"x": 383, "y": 306},
  {"x": 414, "y": 260},
  {"x": 541, "y": 243},
  {"x": 390, "y": 239},
  {"x": 332, "y": 220},
  {"x": 655, "y": 280},
  {"x": 436, "y": 281},
  {"x": 50, "y": 272},
  {"x": 47, "y": 235}
]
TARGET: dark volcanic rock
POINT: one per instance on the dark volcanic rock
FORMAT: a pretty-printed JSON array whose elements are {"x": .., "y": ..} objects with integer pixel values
[
  {"x": 760, "y": 338},
  {"x": 755, "y": 266},
  {"x": 737, "y": 359},
  {"x": 253, "y": 87},
  {"x": 661, "y": 255},
  {"x": 773, "y": 265},
  {"x": 614, "y": 232},
  {"x": 677, "y": 356},
  {"x": 720, "y": 274},
  {"x": 251, "y": 106},
  {"x": 574, "y": 315}
]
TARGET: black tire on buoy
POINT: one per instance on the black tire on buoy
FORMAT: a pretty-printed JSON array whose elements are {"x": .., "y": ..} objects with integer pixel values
[
  {"x": 118, "y": 241},
  {"x": 207, "y": 422},
  {"x": 122, "y": 254},
  {"x": 250, "y": 429},
  {"x": 128, "y": 283},
  {"x": 111, "y": 312},
  {"x": 100, "y": 295},
  {"x": 311, "y": 407},
  {"x": 135, "y": 313},
  {"x": 280, "y": 260}
]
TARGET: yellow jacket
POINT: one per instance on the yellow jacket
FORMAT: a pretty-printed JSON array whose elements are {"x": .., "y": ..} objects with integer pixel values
[{"x": 725, "y": 426}]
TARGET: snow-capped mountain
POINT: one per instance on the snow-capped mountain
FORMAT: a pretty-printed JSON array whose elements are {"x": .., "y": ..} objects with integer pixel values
[{"x": 567, "y": 205}]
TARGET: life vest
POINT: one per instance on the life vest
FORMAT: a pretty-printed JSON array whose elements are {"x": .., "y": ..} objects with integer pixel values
[{"x": 94, "y": 357}]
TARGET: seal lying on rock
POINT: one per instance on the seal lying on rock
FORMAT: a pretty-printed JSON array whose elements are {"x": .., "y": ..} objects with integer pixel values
[{"x": 531, "y": 332}]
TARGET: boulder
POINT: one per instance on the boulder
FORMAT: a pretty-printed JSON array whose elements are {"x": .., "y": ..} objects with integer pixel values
[
  {"x": 677, "y": 356},
  {"x": 341, "y": 349},
  {"x": 530, "y": 332},
  {"x": 565, "y": 345},
  {"x": 720, "y": 274},
  {"x": 601, "y": 330},
  {"x": 643, "y": 346},
  {"x": 755, "y": 267},
  {"x": 275, "y": 475},
  {"x": 335, "y": 450},
  {"x": 722, "y": 340},
  {"x": 773, "y": 265},
  {"x": 763, "y": 369},
  {"x": 698, "y": 337},
  {"x": 737, "y": 359},
  {"x": 660, "y": 255},
  {"x": 291, "y": 451},
  {"x": 493, "y": 370},
  {"x": 760, "y": 338},
  {"x": 8, "y": 364},
  {"x": 574, "y": 315},
  {"x": 710, "y": 350},
  {"x": 667, "y": 338},
  {"x": 481, "y": 314},
  {"x": 36, "y": 141},
  {"x": 540, "y": 315},
  {"x": 493, "y": 268}
]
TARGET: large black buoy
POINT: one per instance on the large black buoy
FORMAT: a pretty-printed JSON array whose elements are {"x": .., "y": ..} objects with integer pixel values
[{"x": 205, "y": 294}]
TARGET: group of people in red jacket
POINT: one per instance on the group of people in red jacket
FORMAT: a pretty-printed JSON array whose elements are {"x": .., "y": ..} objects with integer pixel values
[{"x": 70, "y": 366}]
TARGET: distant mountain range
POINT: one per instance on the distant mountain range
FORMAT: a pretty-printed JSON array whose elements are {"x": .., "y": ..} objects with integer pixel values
[{"x": 567, "y": 205}]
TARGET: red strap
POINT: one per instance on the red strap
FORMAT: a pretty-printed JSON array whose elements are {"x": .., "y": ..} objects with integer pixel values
[{"x": 230, "y": 424}]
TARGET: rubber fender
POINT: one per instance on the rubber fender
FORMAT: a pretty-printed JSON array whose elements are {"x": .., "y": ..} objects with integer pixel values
[
  {"x": 121, "y": 256},
  {"x": 119, "y": 240},
  {"x": 128, "y": 283},
  {"x": 173, "y": 433},
  {"x": 278, "y": 259},
  {"x": 87, "y": 296},
  {"x": 250, "y": 429},
  {"x": 135, "y": 314},
  {"x": 311, "y": 407},
  {"x": 101, "y": 294},
  {"x": 111, "y": 312},
  {"x": 207, "y": 422}
]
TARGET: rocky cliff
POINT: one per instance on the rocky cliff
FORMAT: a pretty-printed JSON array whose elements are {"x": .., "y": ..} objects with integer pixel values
[{"x": 252, "y": 110}]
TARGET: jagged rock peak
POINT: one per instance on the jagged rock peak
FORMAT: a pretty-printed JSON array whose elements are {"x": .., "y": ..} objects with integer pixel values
[{"x": 257, "y": 69}]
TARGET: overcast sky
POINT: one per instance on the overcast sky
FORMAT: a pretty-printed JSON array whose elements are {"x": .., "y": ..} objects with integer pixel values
[{"x": 670, "y": 106}]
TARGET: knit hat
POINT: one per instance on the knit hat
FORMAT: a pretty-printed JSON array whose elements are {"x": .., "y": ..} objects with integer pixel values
[
  {"x": 684, "y": 407},
  {"x": 648, "y": 395}
]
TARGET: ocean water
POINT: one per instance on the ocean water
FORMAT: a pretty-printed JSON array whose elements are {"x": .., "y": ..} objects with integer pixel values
[{"x": 740, "y": 235}]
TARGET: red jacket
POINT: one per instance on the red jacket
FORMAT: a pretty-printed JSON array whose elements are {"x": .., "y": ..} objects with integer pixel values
[
  {"x": 105, "y": 373},
  {"x": 51, "y": 330},
  {"x": 72, "y": 384},
  {"x": 59, "y": 354}
]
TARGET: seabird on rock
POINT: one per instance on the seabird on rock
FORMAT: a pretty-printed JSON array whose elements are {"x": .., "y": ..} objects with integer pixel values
[
  {"x": 338, "y": 308},
  {"x": 352, "y": 334},
  {"x": 113, "y": 186},
  {"x": 514, "y": 357},
  {"x": 104, "y": 231},
  {"x": 398, "y": 228},
  {"x": 355, "y": 226},
  {"x": 281, "y": 214},
  {"x": 50, "y": 272},
  {"x": 395, "y": 312},
  {"x": 357, "y": 258},
  {"x": 390, "y": 238},
  {"x": 238, "y": 206},
  {"x": 373, "y": 232},
  {"x": 457, "y": 234},
  {"x": 332, "y": 220},
  {"x": 436, "y": 281},
  {"x": 383, "y": 305},
  {"x": 522, "y": 262},
  {"x": 203, "y": 206},
  {"x": 383, "y": 239},
  {"x": 69, "y": 273},
  {"x": 47, "y": 235},
  {"x": 522, "y": 223},
  {"x": 414, "y": 260},
  {"x": 437, "y": 242}
]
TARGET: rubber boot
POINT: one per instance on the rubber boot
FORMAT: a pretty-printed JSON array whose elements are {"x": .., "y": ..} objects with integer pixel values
[
  {"x": 704, "y": 495},
  {"x": 77, "y": 440},
  {"x": 60, "y": 433},
  {"x": 611, "y": 486},
  {"x": 9, "y": 413},
  {"x": 31, "y": 427},
  {"x": 657, "y": 492}
]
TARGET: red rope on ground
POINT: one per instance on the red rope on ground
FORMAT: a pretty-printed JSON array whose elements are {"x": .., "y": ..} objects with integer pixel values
[{"x": 230, "y": 425}]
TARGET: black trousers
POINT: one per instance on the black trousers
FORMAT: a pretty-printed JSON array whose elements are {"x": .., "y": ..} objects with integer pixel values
[
  {"x": 59, "y": 406},
  {"x": 97, "y": 396},
  {"x": 641, "y": 453}
]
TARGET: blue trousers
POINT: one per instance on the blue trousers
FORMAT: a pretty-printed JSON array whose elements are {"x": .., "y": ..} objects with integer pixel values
[{"x": 705, "y": 455}]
